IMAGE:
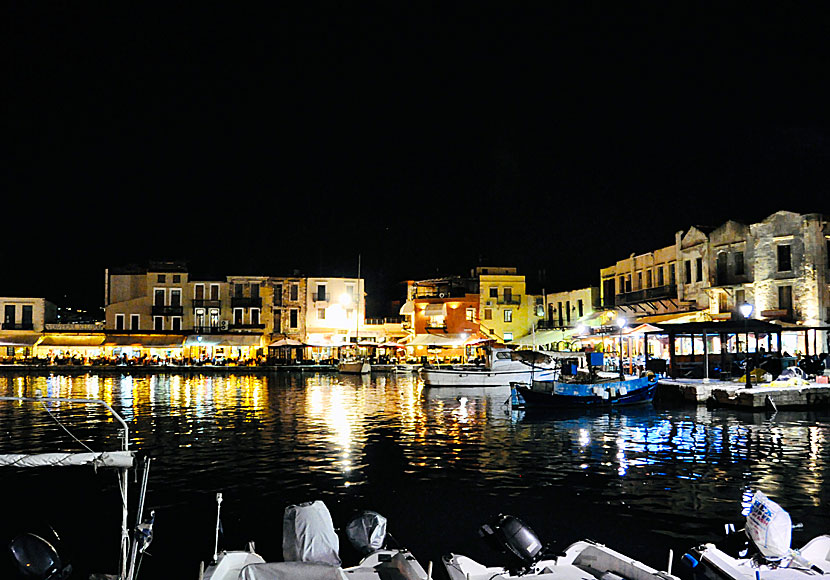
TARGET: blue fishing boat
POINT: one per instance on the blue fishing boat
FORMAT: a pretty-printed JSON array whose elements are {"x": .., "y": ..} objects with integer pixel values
[{"x": 569, "y": 395}]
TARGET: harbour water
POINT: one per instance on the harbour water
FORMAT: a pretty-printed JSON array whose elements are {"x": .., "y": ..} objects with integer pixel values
[{"x": 436, "y": 462}]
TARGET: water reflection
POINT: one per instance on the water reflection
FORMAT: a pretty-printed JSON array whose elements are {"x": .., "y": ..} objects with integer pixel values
[{"x": 455, "y": 456}]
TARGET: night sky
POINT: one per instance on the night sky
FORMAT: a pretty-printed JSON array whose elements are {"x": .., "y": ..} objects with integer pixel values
[{"x": 427, "y": 138}]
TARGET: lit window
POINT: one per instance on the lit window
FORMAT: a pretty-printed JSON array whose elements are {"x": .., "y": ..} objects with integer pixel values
[
  {"x": 321, "y": 313},
  {"x": 471, "y": 314},
  {"x": 508, "y": 315},
  {"x": 508, "y": 336}
]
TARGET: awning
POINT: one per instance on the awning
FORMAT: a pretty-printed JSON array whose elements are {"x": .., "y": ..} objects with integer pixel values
[
  {"x": 542, "y": 337},
  {"x": 18, "y": 339},
  {"x": 144, "y": 341},
  {"x": 407, "y": 308},
  {"x": 62, "y": 340},
  {"x": 674, "y": 318},
  {"x": 223, "y": 340},
  {"x": 448, "y": 340},
  {"x": 436, "y": 309},
  {"x": 286, "y": 342}
]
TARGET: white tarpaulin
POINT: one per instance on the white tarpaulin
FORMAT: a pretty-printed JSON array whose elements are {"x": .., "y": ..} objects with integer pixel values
[
  {"x": 106, "y": 459},
  {"x": 308, "y": 534},
  {"x": 291, "y": 571}
]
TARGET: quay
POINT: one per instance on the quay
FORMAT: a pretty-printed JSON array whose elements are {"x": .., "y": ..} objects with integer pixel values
[
  {"x": 733, "y": 394},
  {"x": 73, "y": 369}
]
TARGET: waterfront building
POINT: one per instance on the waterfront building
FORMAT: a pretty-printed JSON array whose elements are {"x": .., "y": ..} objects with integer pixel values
[
  {"x": 569, "y": 315},
  {"x": 24, "y": 319},
  {"x": 779, "y": 266},
  {"x": 507, "y": 311}
]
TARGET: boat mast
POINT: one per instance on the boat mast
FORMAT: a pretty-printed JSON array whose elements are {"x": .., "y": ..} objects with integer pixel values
[{"x": 357, "y": 310}]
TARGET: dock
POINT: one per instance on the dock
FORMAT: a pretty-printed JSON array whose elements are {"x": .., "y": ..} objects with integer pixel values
[{"x": 733, "y": 394}]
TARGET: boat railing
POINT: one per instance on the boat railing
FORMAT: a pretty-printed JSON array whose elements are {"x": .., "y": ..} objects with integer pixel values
[{"x": 122, "y": 460}]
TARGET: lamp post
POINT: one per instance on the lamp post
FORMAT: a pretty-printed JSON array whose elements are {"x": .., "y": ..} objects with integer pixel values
[
  {"x": 746, "y": 311},
  {"x": 621, "y": 325}
]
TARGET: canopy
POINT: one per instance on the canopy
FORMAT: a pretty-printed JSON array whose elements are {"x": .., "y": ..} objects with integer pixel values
[
  {"x": 18, "y": 339},
  {"x": 72, "y": 340},
  {"x": 223, "y": 340},
  {"x": 542, "y": 337},
  {"x": 104, "y": 459},
  {"x": 407, "y": 308},
  {"x": 145, "y": 341},
  {"x": 439, "y": 309},
  {"x": 448, "y": 340},
  {"x": 286, "y": 342}
]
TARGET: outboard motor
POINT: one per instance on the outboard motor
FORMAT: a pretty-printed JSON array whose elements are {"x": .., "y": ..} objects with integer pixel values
[
  {"x": 36, "y": 558},
  {"x": 367, "y": 532},
  {"x": 509, "y": 535}
]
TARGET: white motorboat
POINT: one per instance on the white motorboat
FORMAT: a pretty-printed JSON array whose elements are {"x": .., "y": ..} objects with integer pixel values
[
  {"x": 582, "y": 560},
  {"x": 501, "y": 367},
  {"x": 37, "y": 557},
  {"x": 354, "y": 367},
  {"x": 769, "y": 529},
  {"x": 311, "y": 551}
]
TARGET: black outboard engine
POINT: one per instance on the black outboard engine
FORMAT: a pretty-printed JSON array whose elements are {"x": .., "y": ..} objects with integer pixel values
[
  {"x": 367, "y": 532},
  {"x": 36, "y": 558},
  {"x": 509, "y": 535}
]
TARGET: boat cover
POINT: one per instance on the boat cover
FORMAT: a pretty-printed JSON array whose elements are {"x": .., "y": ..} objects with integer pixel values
[
  {"x": 105, "y": 459},
  {"x": 308, "y": 534},
  {"x": 291, "y": 571},
  {"x": 367, "y": 531},
  {"x": 769, "y": 526}
]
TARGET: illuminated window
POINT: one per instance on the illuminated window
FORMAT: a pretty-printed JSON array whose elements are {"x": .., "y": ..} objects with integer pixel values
[
  {"x": 321, "y": 313},
  {"x": 508, "y": 336},
  {"x": 508, "y": 315},
  {"x": 471, "y": 314}
]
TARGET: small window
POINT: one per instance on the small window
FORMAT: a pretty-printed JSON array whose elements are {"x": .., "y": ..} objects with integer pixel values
[
  {"x": 134, "y": 322},
  {"x": 294, "y": 294},
  {"x": 471, "y": 314},
  {"x": 739, "y": 263},
  {"x": 660, "y": 280},
  {"x": 293, "y": 318},
  {"x": 161, "y": 278},
  {"x": 177, "y": 278},
  {"x": 494, "y": 292},
  {"x": 699, "y": 270},
  {"x": 784, "y": 259},
  {"x": 488, "y": 314},
  {"x": 321, "y": 314},
  {"x": 672, "y": 274},
  {"x": 688, "y": 265},
  {"x": 119, "y": 322},
  {"x": 508, "y": 315},
  {"x": 508, "y": 336}
]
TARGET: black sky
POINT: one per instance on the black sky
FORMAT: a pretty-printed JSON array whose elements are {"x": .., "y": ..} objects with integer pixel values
[{"x": 425, "y": 137}]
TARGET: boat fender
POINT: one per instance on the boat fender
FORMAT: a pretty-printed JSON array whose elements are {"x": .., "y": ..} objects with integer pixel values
[{"x": 689, "y": 560}]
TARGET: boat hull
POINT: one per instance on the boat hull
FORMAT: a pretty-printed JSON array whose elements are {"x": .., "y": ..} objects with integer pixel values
[
  {"x": 354, "y": 368},
  {"x": 559, "y": 395},
  {"x": 474, "y": 377}
]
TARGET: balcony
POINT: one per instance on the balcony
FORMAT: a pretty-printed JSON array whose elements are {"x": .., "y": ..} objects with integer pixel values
[
  {"x": 246, "y": 302},
  {"x": 321, "y": 297},
  {"x": 208, "y": 330},
  {"x": 161, "y": 310},
  {"x": 647, "y": 295},
  {"x": 206, "y": 303},
  {"x": 777, "y": 314},
  {"x": 510, "y": 300}
]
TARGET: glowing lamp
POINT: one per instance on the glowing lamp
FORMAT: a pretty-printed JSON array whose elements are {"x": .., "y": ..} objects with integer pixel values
[{"x": 746, "y": 309}]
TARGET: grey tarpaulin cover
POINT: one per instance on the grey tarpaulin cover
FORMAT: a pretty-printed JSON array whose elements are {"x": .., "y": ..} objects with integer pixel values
[
  {"x": 291, "y": 571},
  {"x": 308, "y": 534},
  {"x": 367, "y": 531}
]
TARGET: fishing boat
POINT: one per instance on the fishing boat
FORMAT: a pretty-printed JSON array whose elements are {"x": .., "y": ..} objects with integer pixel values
[
  {"x": 311, "y": 548},
  {"x": 354, "y": 367},
  {"x": 526, "y": 559},
  {"x": 580, "y": 384},
  {"x": 501, "y": 367},
  {"x": 770, "y": 556},
  {"x": 37, "y": 557}
]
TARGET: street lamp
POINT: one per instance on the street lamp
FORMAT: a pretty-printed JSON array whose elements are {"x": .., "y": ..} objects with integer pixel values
[
  {"x": 746, "y": 311},
  {"x": 621, "y": 325}
]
